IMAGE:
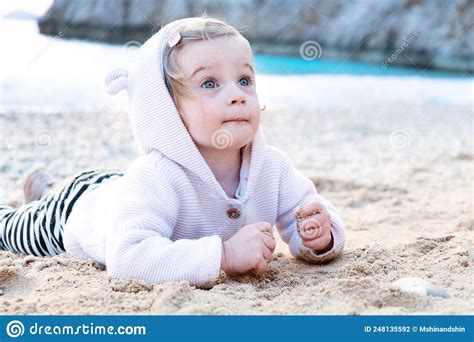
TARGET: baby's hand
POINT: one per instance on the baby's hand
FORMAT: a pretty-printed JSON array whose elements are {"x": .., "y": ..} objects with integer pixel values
[
  {"x": 251, "y": 248},
  {"x": 314, "y": 225}
]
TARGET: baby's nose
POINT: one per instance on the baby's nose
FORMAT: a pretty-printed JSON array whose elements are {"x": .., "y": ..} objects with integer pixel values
[
  {"x": 237, "y": 96},
  {"x": 237, "y": 100}
]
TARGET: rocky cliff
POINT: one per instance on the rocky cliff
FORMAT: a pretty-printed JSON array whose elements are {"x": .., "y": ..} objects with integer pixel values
[{"x": 419, "y": 33}]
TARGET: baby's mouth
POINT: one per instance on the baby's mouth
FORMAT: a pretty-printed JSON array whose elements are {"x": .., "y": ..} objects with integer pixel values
[{"x": 237, "y": 120}]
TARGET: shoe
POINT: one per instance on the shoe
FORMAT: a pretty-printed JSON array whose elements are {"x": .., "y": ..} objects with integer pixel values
[{"x": 36, "y": 184}]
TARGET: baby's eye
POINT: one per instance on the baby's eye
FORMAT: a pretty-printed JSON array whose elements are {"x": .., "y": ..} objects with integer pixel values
[
  {"x": 209, "y": 84},
  {"x": 244, "y": 81}
]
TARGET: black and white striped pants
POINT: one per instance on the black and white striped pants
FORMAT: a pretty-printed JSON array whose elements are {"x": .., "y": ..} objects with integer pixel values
[{"x": 36, "y": 228}]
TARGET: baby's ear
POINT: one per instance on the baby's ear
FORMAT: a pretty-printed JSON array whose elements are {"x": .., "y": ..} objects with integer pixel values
[{"x": 116, "y": 81}]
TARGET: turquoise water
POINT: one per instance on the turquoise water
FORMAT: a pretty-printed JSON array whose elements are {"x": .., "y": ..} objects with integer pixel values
[
  {"x": 286, "y": 65},
  {"x": 71, "y": 67}
]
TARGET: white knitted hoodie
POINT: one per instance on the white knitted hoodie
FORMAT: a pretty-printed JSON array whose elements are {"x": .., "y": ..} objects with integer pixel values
[{"x": 166, "y": 218}]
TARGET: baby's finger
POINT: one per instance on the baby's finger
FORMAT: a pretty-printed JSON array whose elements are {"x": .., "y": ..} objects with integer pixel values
[
  {"x": 309, "y": 209},
  {"x": 319, "y": 243},
  {"x": 309, "y": 229},
  {"x": 322, "y": 218},
  {"x": 262, "y": 267},
  {"x": 268, "y": 232},
  {"x": 267, "y": 254},
  {"x": 269, "y": 242}
]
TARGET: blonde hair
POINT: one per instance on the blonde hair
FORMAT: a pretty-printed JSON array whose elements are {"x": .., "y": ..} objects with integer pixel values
[{"x": 195, "y": 30}]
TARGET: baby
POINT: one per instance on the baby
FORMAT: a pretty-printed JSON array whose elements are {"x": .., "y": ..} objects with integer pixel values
[{"x": 206, "y": 192}]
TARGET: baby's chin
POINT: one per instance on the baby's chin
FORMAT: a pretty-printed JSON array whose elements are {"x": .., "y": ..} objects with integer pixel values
[{"x": 232, "y": 136}]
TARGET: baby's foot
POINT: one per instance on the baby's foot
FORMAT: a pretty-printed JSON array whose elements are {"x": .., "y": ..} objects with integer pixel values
[{"x": 36, "y": 184}]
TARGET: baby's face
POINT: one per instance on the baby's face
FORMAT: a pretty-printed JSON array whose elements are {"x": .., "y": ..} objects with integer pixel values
[{"x": 224, "y": 111}]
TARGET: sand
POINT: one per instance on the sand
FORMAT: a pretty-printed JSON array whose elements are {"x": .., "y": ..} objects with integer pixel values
[{"x": 401, "y": 177}]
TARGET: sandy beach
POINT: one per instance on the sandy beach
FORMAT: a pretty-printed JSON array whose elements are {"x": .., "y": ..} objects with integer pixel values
[{"x": 401, "y": 177}]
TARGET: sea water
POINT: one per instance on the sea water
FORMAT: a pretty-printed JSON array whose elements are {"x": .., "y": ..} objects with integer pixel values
[{"x": 44, "y": 71}]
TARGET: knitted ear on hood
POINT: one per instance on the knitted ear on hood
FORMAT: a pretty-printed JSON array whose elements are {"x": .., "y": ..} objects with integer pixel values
[{"x": 116, "y": 81}]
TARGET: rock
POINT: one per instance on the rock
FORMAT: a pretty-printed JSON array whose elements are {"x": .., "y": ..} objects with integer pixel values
[
  {"x": 416, "y": 33},
  {"x": 420, "y": 287},
  {"x": 396, "y": 201},
  {"x": 26, "y": 260},
  {"x": 470, "y": 253},
  {"x": 29, "y": 259},
  {"x": 19, "y": 262}
]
